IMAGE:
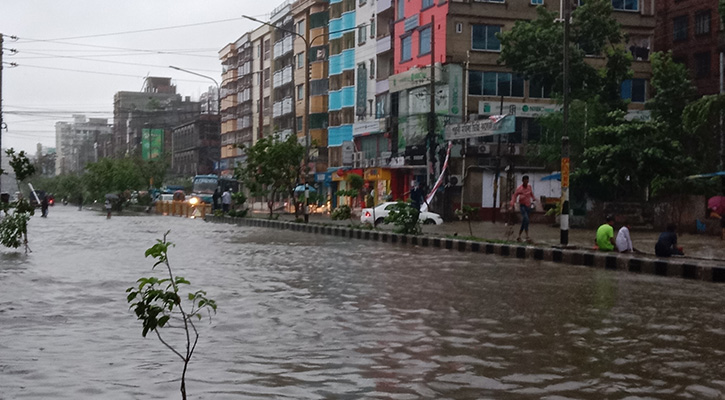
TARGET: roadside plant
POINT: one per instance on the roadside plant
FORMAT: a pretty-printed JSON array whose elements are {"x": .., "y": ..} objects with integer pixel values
[
  {"x": 158, "y": 304},
  {"x": 341, "y": 213},
  {"x": 14, "y": 226},
  {"x": 467, "y": 213},
  {"x": 405, "y": 218}
]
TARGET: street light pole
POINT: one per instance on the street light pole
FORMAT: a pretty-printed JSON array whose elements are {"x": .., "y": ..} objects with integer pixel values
[
  {"x": 564, "y": 217},
  {"x": 218, "y": 90}
]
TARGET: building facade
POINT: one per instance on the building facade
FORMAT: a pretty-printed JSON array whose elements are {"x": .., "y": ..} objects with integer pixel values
[
  {"x": 196, "y": 147},
  {"x": 693, "y": 32},
  {"x": 77, "y": 143}
]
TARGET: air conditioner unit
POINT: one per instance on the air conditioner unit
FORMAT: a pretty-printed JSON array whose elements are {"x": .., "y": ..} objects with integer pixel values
[
  {"x": 484, "y": 149},
  {"x": 455, "y": 180}
]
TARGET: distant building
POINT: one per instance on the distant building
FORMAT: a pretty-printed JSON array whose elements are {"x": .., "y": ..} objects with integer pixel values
[
  {"x": 196, "y": 146},
  {"x": 149, "y": 114},
  {"x": 77, "y": 143},
  {"x": 44, "y": 161},
  {"x": 691, "y": 29}
]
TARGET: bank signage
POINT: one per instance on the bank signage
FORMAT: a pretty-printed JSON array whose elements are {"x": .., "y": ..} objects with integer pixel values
[
  {"x": 519, "y": 109},
  {"x": 363, "y": 128}
]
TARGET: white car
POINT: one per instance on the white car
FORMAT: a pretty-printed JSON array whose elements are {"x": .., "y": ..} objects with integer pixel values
[{"x": 382, "y": 211}]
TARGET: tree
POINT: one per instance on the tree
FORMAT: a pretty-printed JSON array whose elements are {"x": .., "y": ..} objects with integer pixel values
[
  {"x": 157, "y": 303},
  {"x": 623, "y": 159},
  {"x": 673, "y": 92},
  {"x": 14, "y": 226},
  {"x": 702, "y": 123},
  {"x": 272, "y": 167},
  {"x": 534, "y": 49}
]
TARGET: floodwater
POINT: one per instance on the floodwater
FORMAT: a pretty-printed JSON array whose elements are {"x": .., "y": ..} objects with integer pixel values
[{"x": 318, "y": 317}]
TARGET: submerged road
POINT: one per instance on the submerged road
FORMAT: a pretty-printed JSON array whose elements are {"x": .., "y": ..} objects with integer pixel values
[{"x": 319, "y": 317}]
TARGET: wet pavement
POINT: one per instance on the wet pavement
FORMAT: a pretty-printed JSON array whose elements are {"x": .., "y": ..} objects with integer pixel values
[{"x": 319, "y": 317}]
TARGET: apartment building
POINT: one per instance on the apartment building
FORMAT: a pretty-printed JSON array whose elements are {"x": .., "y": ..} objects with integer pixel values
[
  {"x": 196, "y": 146},
  {"x": 283, "y": 83},
  {"x": 77, "y": 143},
  {"x": 693, "y": 32}
]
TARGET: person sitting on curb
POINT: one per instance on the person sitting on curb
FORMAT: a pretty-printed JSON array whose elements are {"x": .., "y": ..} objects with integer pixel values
[
  {"x": 666, "y": 245},
  {"x": 624, "y": 241},
  {"x": 604, "y": 240}
]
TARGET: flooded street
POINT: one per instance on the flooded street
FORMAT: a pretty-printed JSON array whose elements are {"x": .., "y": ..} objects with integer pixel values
[{"x": 319, "y": 317}]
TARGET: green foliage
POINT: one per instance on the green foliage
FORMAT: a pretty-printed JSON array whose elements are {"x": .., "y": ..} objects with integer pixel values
[
  {"x": 117, "y": 175},
  {"x": 158, "y": 304},
  {"x": 623, "y": 158},
  {"x": 341, "y": 213},
  {"x": 14, "y": 226},
  {"x": 13, "y": 229},
  {"x": 272, "y": 166},
  {"x": 405, "y": 218},
  {"x": 673, "y": 91},
  {"x": 21, "y": 165},
  {"x": 238, "y": 213},
  {"x": 701, "y": 122},
  {"x": 467, "y": 213},
  {"x": 534, "y": 49}
]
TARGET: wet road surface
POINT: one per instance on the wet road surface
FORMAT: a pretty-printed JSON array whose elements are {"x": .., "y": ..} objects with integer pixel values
[{"x": 317, "y": 317}]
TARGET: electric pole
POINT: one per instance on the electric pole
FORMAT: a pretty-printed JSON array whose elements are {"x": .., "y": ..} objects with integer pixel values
[{"x": 564, "y": 218}]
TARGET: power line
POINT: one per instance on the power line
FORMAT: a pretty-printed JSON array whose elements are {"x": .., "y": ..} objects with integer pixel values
[{"x": 106, "y": 61}]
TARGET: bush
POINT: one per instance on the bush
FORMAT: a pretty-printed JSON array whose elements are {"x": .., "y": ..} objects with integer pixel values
[
  {"x": 238, "y": 213},
  {"x": 405, "y": 218},
  {"x": 341, "y": 213}
]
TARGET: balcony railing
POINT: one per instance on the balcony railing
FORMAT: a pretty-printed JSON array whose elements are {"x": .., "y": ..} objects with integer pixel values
[
  {"x": 348, "y": 59},
  {"x": 383, "y": 44},
  {"x": 334, "y": 100},
  {"x": 383, "y": 5},
  {"x": 281, "y": 108},
  {"x": 335, "y": 64},
  {"x": 283, "y": 47},
  {"x": 335, "y": 27},
  {"x": 282, "y": 77},
  {"x": 348, "y": 21},
  {"x": 348, "y": 96}
]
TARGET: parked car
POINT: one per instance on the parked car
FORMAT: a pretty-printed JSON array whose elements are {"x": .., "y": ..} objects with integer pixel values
[{"x": 382, "y": 211}]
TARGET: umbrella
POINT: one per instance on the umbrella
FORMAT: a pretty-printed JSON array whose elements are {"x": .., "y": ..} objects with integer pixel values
[
  {"x": 552, "y": 176},
  {"x": 111, "y": 196},
  {"x": 717, "y": 204},
  {"x": 301, "y": 188}
]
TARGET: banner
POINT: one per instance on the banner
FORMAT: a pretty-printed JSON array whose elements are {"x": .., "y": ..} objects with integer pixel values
[
  {"x": 439, "y": 181},
  {"x": 494, "y": 125}
]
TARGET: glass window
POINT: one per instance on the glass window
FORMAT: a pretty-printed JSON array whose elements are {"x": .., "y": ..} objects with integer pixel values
[
  {"x": 405, "y": 48},
  {"x": 504, "y": 84},
  {"x": 538, "y": 91},
  {"x": 300, "y": 92},
  {"x": 702, "y": 22},
  {"x": 475, "y": 83},
  {"x": 401, "y": 9},
  {"x": 634, "y": 90},
  {"x": 301, "y": 27},
  {"x": 484, "y": 37},
  {"x": 626, "y": 5},
  {"x": 703, "y": 62},
  {"x": 490, "y": 80},
  {"x": 299, "y": 124},
  {"x": 537, "y": 2},
  {"x": 517, "y": 86},
  {"x": 679, "y": 26},
  {"x": 426, "y": 4},
  {"x": 362, "y": 34},
  {"x": 495, "y": 84},
  {"x": 300, "y": 60},
  {"x": 424, "y": 41}
]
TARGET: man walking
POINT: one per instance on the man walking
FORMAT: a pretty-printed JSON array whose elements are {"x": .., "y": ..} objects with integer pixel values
[
  {"x": 524, "y": 195},
  {"x": 226, "y": 200}
]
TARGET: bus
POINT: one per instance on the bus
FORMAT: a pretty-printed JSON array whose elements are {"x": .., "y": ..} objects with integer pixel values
[{"x": 203, "y": 186}]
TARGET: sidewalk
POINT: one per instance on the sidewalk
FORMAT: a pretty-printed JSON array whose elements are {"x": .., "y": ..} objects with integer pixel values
[{"x": 695, "y": 246}]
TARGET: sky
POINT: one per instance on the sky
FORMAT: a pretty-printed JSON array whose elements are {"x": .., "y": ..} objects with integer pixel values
[{"x": 74, "y": 55}]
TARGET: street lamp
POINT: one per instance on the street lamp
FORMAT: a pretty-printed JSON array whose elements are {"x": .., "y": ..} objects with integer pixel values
[{"x": 218, "y": 90}]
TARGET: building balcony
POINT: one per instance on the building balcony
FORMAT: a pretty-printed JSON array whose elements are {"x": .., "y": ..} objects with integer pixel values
[
  {"x": 335, "y": 64},
  {"x": 348, "y": 22},
  {"x": 382, "y": 86},
  {"x": 335, "y": 28},
  {"x": 283, "y": 47},
  {"x": 282, "y": 77},
  {"x": 348, "y": 96},
  {"x": 348, "y": 59},
  {"x": 382, "y": 44},
  {"x": 384, "y": 5},
  {"x": 334, "y": 100},
  {"x": 338, "y": 134},
  {"x": 281, "y": 108}
]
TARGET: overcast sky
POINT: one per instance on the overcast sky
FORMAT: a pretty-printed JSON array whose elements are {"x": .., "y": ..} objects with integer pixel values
[{"x": 74, "y": 55}]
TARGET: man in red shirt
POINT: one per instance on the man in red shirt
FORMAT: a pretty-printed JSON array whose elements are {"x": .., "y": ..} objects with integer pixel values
[{"x": 525, "y": 197}]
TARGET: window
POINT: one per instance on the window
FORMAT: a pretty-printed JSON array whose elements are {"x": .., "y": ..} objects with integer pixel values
[
  {"x": 362, "y": 33},
  {"x": 679, "y": 26},
  {"x": 266, "y": 77},
  {"x": 537, "y": 2},
  {"x": 424, "y": 41},
  {"x": 702, "y": 65},
  {"x": 625, "y": 5},
  {"x": 299, "y": 124},
  {"x": 401, "y": 9},
  {"x": 267, "y": 49},
  {"x": 538, "y": 91},
  {"x": 372, "y": 28},
  {"x": 484, "y": 37},
  {"x": 300, "y": 60},
  {"x": 259, "y": 51},
  {"x": 426, "y": 4},
  {"x": 484, "y": 83},
  {"x": 405, "y": 48},
  {"x": 300, "y": 92},
  {"x": 266, "y": 105},
  {"x": 301, "y": 27},
  {"x": 372, "y": 68},
  {"x": 362, "y": 2},
  {"x": 634, "y": 89},
  {"x": 702, "y": 22}
]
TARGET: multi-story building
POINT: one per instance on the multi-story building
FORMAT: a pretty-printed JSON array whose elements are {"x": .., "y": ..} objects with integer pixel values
[
  {"x": 262, "y": 82},
  {"x": 209, "y": 101},
  {"x": 77, "y": 143},
  {"x": 44, "y": 161},
  {"x": 692, "y": 31},
  {"x": 283, "y": 82},
  {"x": 459, "y": 38},
  {"x": 196, "y": 146},
  {"x": 156, "y": 109}
]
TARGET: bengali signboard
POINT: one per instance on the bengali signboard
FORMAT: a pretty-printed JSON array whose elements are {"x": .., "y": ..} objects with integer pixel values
[{"x": 496, "y": 125}]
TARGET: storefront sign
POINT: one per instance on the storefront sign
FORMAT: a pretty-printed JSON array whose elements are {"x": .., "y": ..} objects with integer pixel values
[
  {"x": 347, "y": 150},
  {"x": 366, "y": 127},
  {"x": 377, "y": 174},
  {"x": 413, "y": 77},
  {"x": 527, "y": 110},
  {"x": 481, "y": 128}
]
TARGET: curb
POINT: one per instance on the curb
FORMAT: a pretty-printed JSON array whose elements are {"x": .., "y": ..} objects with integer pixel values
[{"x": 676, "y": 268}]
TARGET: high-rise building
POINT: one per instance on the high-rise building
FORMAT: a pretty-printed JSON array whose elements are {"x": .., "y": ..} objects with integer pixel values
[{"x": 77, "y": 143}]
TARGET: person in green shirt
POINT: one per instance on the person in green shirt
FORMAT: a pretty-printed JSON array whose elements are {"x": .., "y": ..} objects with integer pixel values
[{"x": 605, "y": 235}]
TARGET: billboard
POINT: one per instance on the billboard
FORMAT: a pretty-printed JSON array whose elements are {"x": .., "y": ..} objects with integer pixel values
[{"x": 152, "y": 143}]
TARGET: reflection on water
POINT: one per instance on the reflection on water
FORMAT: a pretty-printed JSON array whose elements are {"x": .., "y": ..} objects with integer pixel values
[{"x": 314, "y": 317}]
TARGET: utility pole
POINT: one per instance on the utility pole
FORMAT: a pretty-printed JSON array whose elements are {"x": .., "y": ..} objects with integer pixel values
[
  {"x": 430, "y": 154},
  {"x": 564, "y": 218},
  {"x": 1, "y": 107}
]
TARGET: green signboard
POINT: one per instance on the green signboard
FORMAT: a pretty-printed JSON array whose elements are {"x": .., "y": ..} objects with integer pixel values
[{"x": 152, "y": 143}]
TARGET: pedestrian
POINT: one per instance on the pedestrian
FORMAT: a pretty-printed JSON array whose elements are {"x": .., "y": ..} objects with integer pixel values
[
  {"x": 226, "y": 200},
  {"x": 605, "y": 235},
  {"x": 417, "y": 195},
  {"x": 215, "y": 199},
  {"x": 44, "y": 206},
  {"x": 666, "y": 245},
  {"x": 524, "y": 195},
  {"x": 624, "y": 240},
  {"x": 108, "y": 208}
]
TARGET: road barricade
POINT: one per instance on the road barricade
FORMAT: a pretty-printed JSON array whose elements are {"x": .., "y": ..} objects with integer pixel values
[{"x": 182, "y": 209}]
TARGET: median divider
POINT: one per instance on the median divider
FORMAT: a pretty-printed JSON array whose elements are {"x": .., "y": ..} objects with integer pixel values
[{"x": 695, "y": 269}]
